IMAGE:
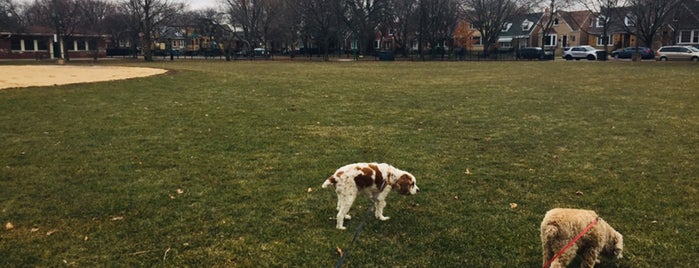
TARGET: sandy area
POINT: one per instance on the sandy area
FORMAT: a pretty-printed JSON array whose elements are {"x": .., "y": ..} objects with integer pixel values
[{"x": 12, "y": 76}]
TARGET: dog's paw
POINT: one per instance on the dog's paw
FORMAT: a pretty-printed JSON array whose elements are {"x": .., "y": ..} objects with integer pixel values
[
  {"x": 348, "y": 217},
  {"x": 341, "y": 228},
  {"x": 383, "y": 218}
]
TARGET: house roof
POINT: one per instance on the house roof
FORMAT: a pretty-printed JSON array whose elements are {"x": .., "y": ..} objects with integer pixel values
[
  {"x": 521, "y": 26},
  {"x": 687, "y": 16},
  {"x": 577, "y": 19},
  {"x": 615, "y": 24},
  {"x": 48, "y": 31}
]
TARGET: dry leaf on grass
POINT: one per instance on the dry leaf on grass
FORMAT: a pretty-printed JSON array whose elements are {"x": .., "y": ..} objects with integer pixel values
[
  {"x": 309, "y": 190},
  {"x": 117, "y": 218},
  {"x": 9, "y": 226},
  {"x": 339, "y": 251},
  {"x": 513, "y": 205},
  {"x": 49, "y": 233}
]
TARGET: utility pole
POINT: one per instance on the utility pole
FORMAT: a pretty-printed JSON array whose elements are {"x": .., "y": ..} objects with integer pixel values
[{"x": 57, "y": 38}]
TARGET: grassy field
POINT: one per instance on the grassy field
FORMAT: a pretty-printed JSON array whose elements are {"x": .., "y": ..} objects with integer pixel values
[{"x": 219, "y": 164}]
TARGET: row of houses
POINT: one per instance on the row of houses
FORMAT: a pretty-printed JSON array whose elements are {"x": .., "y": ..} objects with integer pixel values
[
  {"x": 568, "y": 29},
  {"x": 578, "y": 28}
]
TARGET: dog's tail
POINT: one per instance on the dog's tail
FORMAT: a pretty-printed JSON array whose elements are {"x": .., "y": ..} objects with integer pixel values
[{"x": 330, "y": 181}]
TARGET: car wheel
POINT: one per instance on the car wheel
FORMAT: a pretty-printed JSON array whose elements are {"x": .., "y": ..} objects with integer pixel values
[
  {"x": 590, "y": 57},
  {"x": 663, "y": 58},
  {"x": 569, "y": 57},
  {"x": 615, "y": 56},
  {"x": 695, "y": 59}
]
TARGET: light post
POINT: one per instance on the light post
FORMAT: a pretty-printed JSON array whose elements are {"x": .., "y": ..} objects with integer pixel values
[
  {"x": 354, "y": 44},
  {"x": 57, "y": 38}
]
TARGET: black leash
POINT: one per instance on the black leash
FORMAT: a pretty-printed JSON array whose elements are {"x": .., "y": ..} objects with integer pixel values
[{"x": 345, "y": 253}]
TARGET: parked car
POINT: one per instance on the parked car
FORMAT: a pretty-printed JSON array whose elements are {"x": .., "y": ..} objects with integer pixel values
[
  {"x": 258, "y": 52},
  {"x": 580, "y": 52},
  {"x": 677, "y": 53},
  {"x": 530, "y": 53},
  {"x": 627, "y": 53}
]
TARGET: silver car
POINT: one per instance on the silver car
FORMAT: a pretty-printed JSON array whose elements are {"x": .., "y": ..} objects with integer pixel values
[
  {"x": 677, "y": 53},
  {"x": 580, "y": 52}
]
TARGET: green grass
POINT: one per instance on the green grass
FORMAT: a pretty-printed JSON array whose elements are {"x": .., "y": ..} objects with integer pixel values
[{"x": 98, "y": 166}]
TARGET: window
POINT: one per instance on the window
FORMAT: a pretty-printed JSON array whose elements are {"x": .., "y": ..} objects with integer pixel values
[
  {"x": 70, "y": 44},
  {"x": 377, "y": 44},
  {"x": 550, "y": 40},
  {"x": 688, "y": 36},
  {"x": 526, "y": 25},
  {"x": 17, "y": 44},
  {"x": 29, "y": 45},
  {"x": 601, "y": 40},
  {"x": 506, "y": 27},
  {"x": 42, "y": 45},
  {"x": 601, "y": 21},
  {"x": 476, "y": 41},
  {"x": 80, "y": 45},
  {"x": 555, "y": 22},
  {"x": 630, "y": 20}
]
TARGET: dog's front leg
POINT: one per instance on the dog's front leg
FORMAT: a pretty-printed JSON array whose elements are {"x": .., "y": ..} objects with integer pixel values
[
  {"x": 378, "y": 210},
  {"x": 590, "y": 257}
]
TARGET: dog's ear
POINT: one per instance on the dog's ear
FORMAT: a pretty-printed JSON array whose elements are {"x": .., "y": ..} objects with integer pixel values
[{"x": 403, "y": 184}]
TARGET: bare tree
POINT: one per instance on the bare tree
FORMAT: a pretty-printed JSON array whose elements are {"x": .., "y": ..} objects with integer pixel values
[
  {"x": 94, "y": 14},
  {"x": 364, "y": 18},
  {"x": 437, "y": 23},
  {"x": 10, "y": 18},
  {"x": 646, "y": 17},
  {"x": 290, "y": 26},
  {"x": 322, "y": 22},
  {"x": 124, "y": 27},
  {"x": 256, "y": 19},
  {"x": 402, "y": 21},
  {"x": 489, "y": 18},
  {"x": 151, "y": 15}
]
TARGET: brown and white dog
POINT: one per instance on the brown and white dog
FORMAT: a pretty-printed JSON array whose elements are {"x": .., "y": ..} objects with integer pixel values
[
  {"x": 562, "y": 225},
  {"x": 374, "y": 180}
]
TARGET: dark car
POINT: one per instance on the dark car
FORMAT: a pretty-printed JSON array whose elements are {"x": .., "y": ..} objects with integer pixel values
[
  {"x": 530, "y": 53},
  {"x": 627, "y": 53}
]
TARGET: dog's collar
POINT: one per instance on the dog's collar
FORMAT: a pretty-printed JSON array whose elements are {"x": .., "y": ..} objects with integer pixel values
[{"x": 384, "y": 184}]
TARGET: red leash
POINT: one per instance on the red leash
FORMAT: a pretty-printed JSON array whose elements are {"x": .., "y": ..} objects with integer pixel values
[{"x": 571, "y": 242}]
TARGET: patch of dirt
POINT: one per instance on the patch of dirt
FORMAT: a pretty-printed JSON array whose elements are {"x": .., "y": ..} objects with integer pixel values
[{"x": 14, "y": 76}]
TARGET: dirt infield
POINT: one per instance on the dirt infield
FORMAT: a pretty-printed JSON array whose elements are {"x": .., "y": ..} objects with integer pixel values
[{"x": 13, "y": 76}]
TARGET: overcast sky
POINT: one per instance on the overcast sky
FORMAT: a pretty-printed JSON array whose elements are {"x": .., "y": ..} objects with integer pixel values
[
  {"x": 193, "y": 4},
  {"x": 201, "y": 4}
]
